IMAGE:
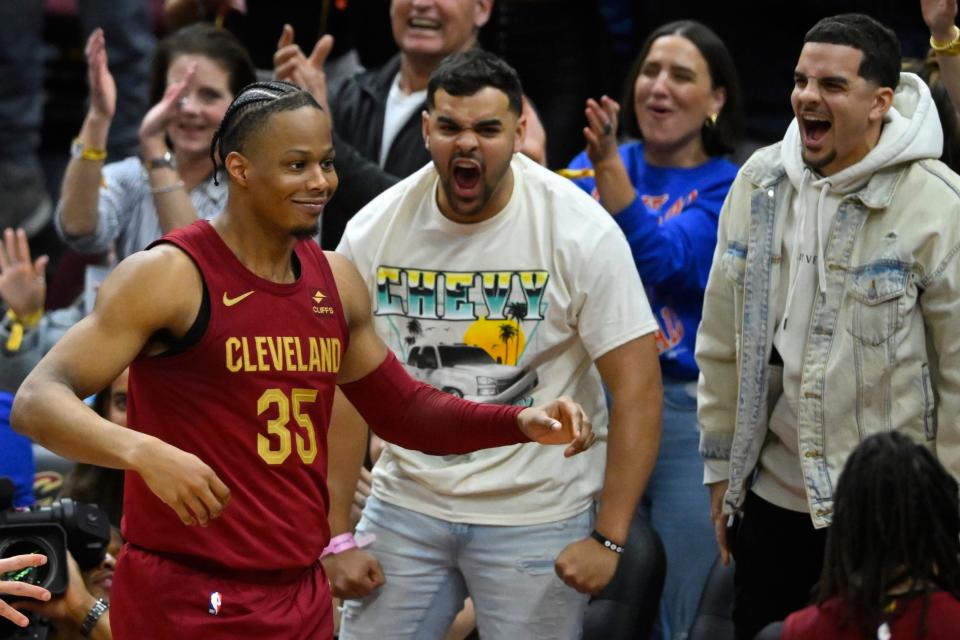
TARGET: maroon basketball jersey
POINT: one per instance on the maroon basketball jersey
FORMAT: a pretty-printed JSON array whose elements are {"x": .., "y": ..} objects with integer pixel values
[{"x": 251, "y": 398}]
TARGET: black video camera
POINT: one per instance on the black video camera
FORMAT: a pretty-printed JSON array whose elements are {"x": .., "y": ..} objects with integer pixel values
[{"x": 83, "y": 529}]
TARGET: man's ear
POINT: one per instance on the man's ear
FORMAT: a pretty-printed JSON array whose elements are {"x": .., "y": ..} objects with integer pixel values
[
  {"x": 520, "y": 133},
  {"x": 534, "y": 137},
  {"x": 237, "y": 167},
  {"x": 482, "y": 13},
  {"x": 882, "y": 101},
  {"x": 425, "y": 128}
]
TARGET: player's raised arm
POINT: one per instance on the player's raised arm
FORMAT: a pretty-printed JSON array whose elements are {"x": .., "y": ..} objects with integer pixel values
[
  {"x": 415, "y": 415},
  {"x": 151, "y": 291}
]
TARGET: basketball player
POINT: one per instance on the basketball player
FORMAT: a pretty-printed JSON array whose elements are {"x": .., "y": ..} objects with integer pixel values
[{"x": 237, "y": 331}]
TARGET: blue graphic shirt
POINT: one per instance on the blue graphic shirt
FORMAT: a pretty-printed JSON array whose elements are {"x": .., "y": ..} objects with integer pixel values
[{"x": 672, "y": 230}]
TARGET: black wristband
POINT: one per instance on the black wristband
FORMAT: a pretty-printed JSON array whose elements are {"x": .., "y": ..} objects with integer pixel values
[
  {"x": 606, "y": 542},
  {"x": 93, "y": 616}
]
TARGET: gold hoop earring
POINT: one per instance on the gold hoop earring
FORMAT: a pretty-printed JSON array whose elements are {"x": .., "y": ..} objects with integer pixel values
[{"x": 711, "y": 120}]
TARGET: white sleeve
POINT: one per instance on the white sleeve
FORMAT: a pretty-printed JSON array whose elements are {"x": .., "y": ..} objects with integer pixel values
[
  {"x": 115, "y": 204},
  {"x": 345, "y": 249},
  {"x": 612, "y": 307},
  {"x": 715, "y": 470}
]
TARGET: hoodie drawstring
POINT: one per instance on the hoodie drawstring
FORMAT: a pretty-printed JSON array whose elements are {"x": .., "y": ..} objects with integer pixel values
[
  {"x": 793, "y": 270},
  {"x": 821, "y": 268},
  {"x": 798, "y": 234}
]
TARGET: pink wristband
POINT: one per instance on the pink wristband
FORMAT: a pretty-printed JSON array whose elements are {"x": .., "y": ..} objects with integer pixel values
[{"x": 339, "y": 543}]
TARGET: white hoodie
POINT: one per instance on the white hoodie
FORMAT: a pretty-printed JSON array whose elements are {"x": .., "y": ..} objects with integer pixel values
[{"x": 911, "y": 132}]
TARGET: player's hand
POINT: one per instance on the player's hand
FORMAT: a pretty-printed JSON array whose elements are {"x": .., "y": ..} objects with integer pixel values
[
  {"x": 353, "y": 573},
  {"x": 559, "y": 422},
  {"x": 22, "y": 285},
  {"x": 719, "y": 518},
  {"x": 103, "y": 89},
  {"x": 586, "y": 565},
  {"x": 20, "y": 589},
  {"x": 940, "y": 16},
  {"x": 290, "y": 64},
  {"x": 601, "y": 130},
  {"x": 182, "y": 481}
]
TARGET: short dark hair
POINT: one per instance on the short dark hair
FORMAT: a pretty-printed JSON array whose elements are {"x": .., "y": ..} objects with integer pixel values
[
  {"x": 250, "y": 110},
  {"x": 466, "y": 73},
  {"x": 896, "y": 520},
  {"x": 206, "y": 40},
  {"x": 721, "y": 138},
  {"x": 879, "y": 45}
]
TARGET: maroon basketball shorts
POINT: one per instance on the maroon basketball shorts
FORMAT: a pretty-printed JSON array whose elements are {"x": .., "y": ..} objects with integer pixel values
[{"x": 155, "y": 597}]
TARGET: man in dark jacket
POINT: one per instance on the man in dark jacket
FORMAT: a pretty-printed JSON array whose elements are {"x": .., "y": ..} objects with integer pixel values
[{"x": 377, "y": 113}]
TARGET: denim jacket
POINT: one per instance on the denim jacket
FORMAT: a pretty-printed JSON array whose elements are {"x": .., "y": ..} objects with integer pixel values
[{"x": 880, "y": 352}]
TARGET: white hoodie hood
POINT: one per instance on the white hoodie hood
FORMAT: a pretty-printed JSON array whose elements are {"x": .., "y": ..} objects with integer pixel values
[{"x": 911, "y": 131}]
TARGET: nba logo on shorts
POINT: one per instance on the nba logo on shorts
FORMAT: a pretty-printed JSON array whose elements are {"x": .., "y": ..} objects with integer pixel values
[{"x": 215, "y": 602}]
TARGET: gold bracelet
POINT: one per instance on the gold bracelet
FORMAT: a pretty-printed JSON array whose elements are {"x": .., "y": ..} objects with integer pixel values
[
  {"x": 29, "y": 321},
  {"x": 951, "y": 48},
  {"x": 83, "y": 152},
  {"x": 576, "y": 173},
  {"x": 19, "y": 325}
]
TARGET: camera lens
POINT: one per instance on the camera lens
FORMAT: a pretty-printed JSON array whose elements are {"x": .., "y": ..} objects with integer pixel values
[{"x": 43, "y": 575}]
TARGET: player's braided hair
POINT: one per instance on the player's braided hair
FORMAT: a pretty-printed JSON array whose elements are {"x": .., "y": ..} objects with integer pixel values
[{"x": 249, "y": 110}]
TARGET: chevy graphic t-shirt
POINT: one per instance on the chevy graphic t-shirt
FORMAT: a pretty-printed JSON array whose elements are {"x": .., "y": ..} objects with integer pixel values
[{"x": 514, "y": 309}]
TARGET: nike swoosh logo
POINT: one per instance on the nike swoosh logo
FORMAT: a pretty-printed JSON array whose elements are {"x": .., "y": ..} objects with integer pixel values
[{"x": 229, "y": 302}]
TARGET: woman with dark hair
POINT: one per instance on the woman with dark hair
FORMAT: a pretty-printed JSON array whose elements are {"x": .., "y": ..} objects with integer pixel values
[
  {"x": 892, "y": 564},
  {"x": 665, "y": 191},
  {"x": 194, "y": 76}
]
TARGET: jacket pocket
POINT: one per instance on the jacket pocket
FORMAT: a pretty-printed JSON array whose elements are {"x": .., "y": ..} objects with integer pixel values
[
  {"x": 734, "y": 263},
  {"x": 877, "y": 290}
]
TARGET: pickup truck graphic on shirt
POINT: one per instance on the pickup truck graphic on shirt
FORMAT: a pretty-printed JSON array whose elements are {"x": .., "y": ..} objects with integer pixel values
[{"x": 467, "y": 371}]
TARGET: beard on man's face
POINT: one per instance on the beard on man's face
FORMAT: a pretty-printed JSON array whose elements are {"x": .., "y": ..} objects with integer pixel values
[
  {"x": 466, "y": 209},
  {"x": 305, "y": 232},
  {"x": 819, "y": 164}
]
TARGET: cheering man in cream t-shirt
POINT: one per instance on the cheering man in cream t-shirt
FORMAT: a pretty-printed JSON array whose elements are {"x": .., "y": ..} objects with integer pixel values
[{"x": 496, "y": 280}]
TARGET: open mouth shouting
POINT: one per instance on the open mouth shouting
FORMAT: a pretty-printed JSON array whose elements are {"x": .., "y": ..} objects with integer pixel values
[
  {"x": 813, "y": 129},
  {"x": 467, "y": 174}
]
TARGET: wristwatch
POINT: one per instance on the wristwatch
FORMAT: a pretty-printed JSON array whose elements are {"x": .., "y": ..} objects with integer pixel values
[
  {"x": 83, "y": 152},
  {"x": 165, "y": 161},
  {"x": 98, "y": 609}
]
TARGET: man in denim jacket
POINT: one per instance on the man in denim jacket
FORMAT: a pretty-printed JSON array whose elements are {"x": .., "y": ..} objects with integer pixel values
[{"x": 827, "y": 311}]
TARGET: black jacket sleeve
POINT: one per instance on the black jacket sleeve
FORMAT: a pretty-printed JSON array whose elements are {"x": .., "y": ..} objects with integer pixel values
[{"x": 360, "y": 182}]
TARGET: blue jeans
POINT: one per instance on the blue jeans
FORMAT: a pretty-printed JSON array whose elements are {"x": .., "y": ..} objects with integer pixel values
[
  {"x": 678, "y": 505},
  {"x": 431, "y": 565}
]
